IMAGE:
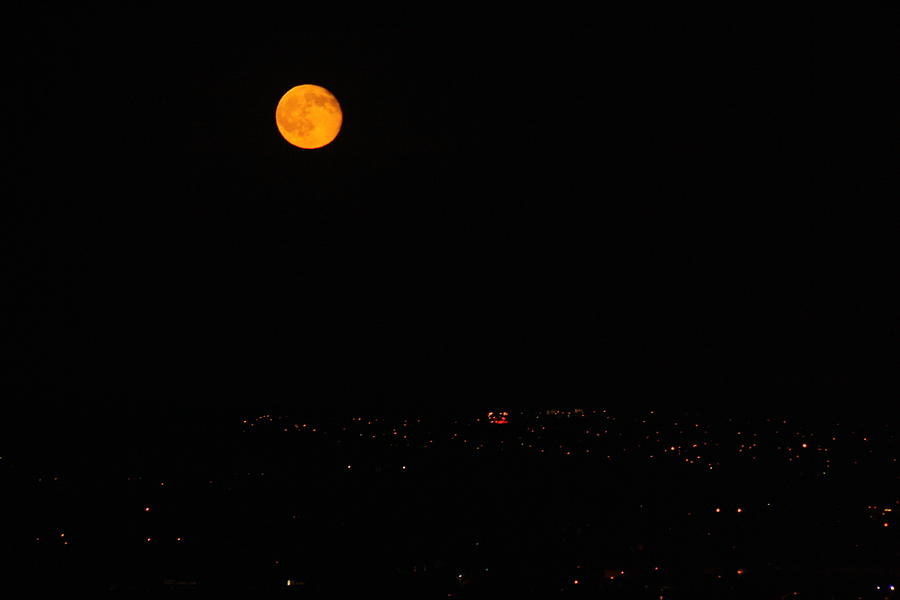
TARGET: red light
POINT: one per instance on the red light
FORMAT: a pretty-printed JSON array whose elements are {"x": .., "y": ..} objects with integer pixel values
[{"x": 498, "y": 418}]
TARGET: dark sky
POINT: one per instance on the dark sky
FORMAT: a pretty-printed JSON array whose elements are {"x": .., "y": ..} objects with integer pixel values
[{"x": 556, "y": 203}]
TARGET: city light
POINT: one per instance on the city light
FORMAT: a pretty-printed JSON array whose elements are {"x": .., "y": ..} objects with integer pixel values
[
  {"x": 498, "y": 417},
  {"x": 571, "y": 450}
]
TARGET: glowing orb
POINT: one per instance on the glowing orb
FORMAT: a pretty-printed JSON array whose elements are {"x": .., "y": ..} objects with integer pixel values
[{"x": 308, "y": 116}]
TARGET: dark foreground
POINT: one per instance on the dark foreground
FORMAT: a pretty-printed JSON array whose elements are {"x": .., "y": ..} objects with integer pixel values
[{"x": 595, "y": 505}]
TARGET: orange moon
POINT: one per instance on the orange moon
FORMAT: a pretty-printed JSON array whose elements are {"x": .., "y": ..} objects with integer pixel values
[{"x": 308, "y": 116}]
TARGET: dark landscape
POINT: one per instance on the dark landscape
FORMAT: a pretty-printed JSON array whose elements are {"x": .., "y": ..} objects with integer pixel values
[{"x": 627, "y": 503}]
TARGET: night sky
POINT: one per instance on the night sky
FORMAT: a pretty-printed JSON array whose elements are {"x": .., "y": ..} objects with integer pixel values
[
  {"x": 231, "y": 364},
  {"x": 538, "y": 202}
]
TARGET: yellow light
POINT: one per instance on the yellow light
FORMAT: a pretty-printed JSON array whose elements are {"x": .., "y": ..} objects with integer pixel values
[{"x": 290, "y": 582}]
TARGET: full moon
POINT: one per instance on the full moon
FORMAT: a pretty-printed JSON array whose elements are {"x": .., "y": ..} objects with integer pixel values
[{"x": 308, "y": 116}]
